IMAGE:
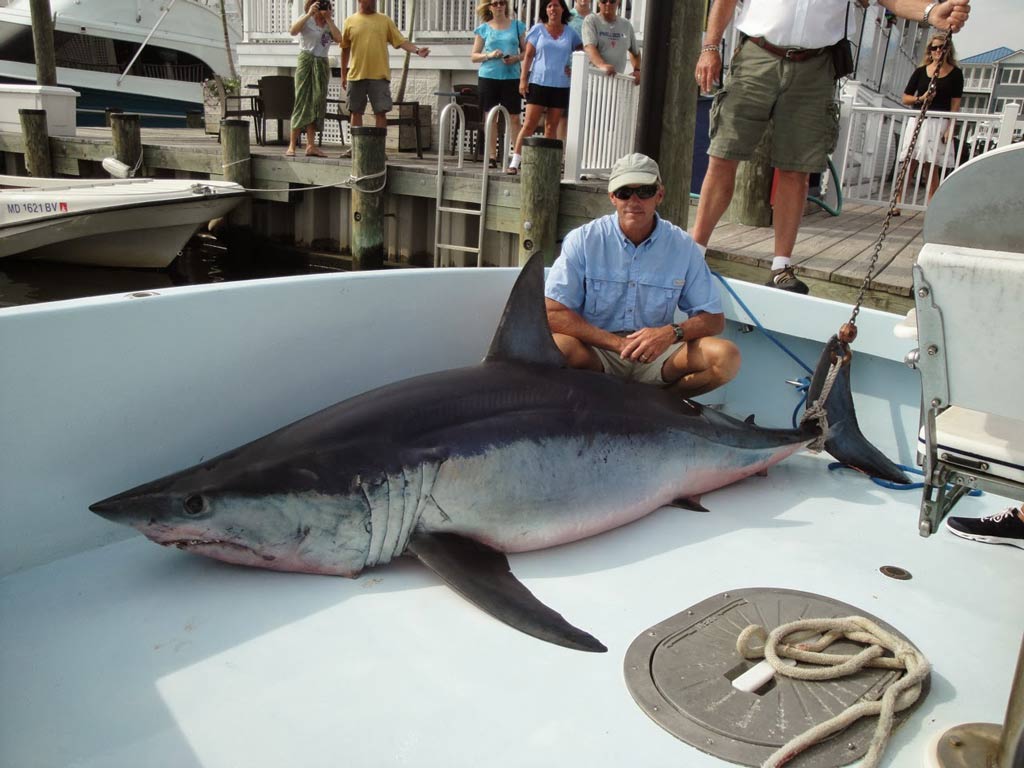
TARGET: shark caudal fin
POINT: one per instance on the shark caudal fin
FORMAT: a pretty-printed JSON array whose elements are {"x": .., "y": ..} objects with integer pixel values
[
  {"x": 845, "y": 440},
  {"x": 482, "y": 576},
  {"x": 523, "y": 334}
]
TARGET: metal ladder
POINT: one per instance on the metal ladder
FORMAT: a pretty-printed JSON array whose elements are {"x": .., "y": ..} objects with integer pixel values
[{"x": 440, "y": 208}]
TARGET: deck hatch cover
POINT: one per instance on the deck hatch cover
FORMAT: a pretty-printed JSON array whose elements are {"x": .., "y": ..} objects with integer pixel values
[{"x": 680, "y": 671}]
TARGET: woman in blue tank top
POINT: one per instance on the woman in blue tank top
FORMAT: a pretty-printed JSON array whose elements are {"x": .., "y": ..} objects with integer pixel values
[{"x": 498, "y": 49}]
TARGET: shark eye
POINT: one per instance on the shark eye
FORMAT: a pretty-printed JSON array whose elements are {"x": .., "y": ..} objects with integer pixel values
[{"x": 194, "y": 505}]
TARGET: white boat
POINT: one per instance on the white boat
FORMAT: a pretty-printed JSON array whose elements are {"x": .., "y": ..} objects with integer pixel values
[
  {"x": 116, "y": 652},
  {"x": 96, "y": 40},
  {"x": 108, "y": 222}
]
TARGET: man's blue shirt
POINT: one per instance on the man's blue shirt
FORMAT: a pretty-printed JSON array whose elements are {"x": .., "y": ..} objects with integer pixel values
[{"x": 619, "y": 286}]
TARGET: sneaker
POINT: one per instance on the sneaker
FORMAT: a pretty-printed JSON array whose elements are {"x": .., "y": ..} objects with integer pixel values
[
  {"x": 1003, "y": 528},
  {"x": 786, "y": 280}
]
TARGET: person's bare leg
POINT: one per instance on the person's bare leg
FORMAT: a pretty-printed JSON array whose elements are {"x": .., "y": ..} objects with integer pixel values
[
  {"x": 380, "y": 119},
  {"x": 790, "y": 196},
  {"x": 933, "y": 180},
  {"x": 533, "y": 114},
  {"x": 702, "y": 365},
  {"x": 356, "y": 119},
  {"x": 715, "y": 196},
  {"x": 577, "y": 354},
  {"x": 293, "y": 141},
  {"x": 552, "y": 123}
]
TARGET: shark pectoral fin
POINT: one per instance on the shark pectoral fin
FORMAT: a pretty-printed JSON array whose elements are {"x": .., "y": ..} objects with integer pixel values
[
  {"x": 691, "y": 503},
  {"x": 482, "y": 576}
]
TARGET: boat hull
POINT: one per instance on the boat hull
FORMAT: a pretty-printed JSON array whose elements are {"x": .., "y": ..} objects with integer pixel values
[{"x": 79, "y": 225}]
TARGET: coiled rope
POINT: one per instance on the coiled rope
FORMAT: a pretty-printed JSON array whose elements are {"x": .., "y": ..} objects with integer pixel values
[{"x": 792, "y": 641}]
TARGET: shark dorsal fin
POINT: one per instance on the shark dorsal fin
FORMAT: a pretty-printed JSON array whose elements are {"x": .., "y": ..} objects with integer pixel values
[{"x": 523, "y": 334}]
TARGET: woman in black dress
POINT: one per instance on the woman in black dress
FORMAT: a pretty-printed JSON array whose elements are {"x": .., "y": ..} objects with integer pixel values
[{"x": 935, "y": 142}]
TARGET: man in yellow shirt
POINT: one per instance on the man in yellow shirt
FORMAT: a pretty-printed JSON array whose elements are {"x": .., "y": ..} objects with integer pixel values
[{"x": 365, "y": 71}]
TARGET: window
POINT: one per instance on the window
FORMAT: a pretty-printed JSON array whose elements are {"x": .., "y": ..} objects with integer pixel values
[
  {"x": 1004, "y": 77},
  {"x": 1000, "y": 103},
  {"x": 1015, "y": 75}
]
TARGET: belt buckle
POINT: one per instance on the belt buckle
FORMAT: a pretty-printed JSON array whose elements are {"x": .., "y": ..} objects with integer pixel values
[{"x": 790, "y": 52}]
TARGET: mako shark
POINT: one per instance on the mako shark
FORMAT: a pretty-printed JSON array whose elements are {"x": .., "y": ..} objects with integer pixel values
[{"x": 460, "y": 467}]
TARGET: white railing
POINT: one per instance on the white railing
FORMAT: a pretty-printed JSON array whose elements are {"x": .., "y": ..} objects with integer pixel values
[
  {"x": 979, "y": 83},
  {"x": 878, "y": 138},
  {"x": 602, "y": 119},
  {"x": 269, "y": 20}
]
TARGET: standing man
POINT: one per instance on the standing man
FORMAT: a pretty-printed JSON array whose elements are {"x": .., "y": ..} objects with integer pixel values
[
  {"x": 782, "y": 72},
  {"x": 580, "y": 10},
  {"x": 365, "y": 70},
  {"x": 608, "y": 39},
  {"x": 612, "y": 294}
]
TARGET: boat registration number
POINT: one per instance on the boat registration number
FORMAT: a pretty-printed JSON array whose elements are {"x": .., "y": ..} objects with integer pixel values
[{"x": 37, "y": 207}]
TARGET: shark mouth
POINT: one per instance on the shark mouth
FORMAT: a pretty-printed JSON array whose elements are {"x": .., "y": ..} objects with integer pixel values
[{"x": 229, "y": 546}]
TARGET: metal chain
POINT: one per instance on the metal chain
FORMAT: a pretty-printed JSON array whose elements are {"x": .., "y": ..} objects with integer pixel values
[{"x": 898, "y": 183}]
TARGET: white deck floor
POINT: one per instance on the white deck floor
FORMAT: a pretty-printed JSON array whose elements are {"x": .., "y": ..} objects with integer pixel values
[{"x": 135, "y": 655}]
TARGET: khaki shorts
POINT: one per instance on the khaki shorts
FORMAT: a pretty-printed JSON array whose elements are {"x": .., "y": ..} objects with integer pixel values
[
  {"x": 797, "y": 98},
  {"x": 377, "y": 91},
  {"x": 645, "y": 373}
]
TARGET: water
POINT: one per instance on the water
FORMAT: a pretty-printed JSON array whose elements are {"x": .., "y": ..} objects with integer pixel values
[{"x": 204, "y": 260}]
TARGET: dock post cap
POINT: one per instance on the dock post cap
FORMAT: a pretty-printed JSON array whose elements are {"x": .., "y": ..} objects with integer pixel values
[
  {"x": 31, "y": 111},
  {"x": 542, "y": 141},
  {"x": 368, "y": 130},
  {"x": 234, "y": 122}
]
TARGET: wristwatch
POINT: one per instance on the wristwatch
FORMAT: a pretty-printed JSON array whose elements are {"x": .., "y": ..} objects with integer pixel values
[
  {"x": 928, "y": 11},
  {"x": 678, "y": 330}
]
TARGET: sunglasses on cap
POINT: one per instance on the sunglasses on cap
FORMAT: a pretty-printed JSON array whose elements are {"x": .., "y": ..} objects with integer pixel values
[{"x": 644, "y": 192}]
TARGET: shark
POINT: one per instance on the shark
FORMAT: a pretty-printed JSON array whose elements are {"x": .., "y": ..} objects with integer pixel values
[{"x": 462, "y": 467}]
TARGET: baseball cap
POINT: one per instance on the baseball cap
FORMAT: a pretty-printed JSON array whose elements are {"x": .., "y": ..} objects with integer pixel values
[{"x": 633, "y": 169}]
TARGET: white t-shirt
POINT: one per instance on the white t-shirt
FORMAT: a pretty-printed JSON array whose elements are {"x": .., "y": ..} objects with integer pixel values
[
  {"x": 795, "y": 23},
  {"x": 315, "y": 39}
]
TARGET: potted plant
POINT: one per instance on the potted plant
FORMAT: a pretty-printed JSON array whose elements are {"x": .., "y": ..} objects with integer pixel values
[{"x": 215, "y": 92}]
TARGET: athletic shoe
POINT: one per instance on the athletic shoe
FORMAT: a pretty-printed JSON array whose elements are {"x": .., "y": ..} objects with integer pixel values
[
  {"x": 786, "y": 280},
  {"x": 1003, "y": 528}
]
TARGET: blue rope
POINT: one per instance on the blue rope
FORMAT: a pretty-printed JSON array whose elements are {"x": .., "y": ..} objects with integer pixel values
[
  {"x": 755, "y": 321},
  {"x": 897, "y": 486}
]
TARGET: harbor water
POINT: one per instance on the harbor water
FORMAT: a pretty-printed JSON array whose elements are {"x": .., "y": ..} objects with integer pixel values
[{"x": 203, "y": 260}]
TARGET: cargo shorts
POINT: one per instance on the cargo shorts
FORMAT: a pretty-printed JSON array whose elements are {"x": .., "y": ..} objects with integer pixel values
[
  {"x": 634, "y": 370},
  {"x": 796, "y": 98},
  {"x": 378, "y": 92}
]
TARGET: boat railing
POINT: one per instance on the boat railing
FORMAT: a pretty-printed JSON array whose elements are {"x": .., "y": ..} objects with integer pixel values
[{"x": 877, "y": 139}]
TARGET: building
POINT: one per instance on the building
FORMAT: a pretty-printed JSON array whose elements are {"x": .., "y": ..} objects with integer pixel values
[{"x": 992, "y": 79}]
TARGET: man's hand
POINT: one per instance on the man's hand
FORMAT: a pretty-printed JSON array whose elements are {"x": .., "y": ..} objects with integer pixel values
[
  {"x": 609, "y": 69},
  {"x": 709, "y": 69},
  {"x": 951, "y": 15},
  {"x": 646, "y": 344},
  {"x": 423, "y": 52},
  {"x": 636, "y": 76},
  {"x": 344, "y": 81}
]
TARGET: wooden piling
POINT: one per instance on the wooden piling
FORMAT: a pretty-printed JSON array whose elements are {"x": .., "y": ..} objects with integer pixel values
[
  {"x": 237, "y": 159},
  {"x": 678, "y": 112},
  {"x": 107, "y": 113},
  {"x": 368, "y": 159},
  {"x": 37, "y": 142},
  {"x": 751, "y": 201},
  {"x": 127, "y": 138},
  {"x": 541, "y": 172},
  {"x": 42, "y": 42}
]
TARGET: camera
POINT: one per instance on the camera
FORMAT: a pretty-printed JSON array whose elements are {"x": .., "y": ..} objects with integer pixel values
[{"x": 323, "y": 5}]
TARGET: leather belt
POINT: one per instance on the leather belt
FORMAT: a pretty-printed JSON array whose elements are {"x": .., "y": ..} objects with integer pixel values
[{"x": 790, "y": 54}]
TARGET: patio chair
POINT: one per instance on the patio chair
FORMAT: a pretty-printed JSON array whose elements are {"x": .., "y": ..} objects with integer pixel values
[
  {"x": 467, "y": 96},
  {"x": 277, "y": 99},
  {"x": 237, "y": 106}
]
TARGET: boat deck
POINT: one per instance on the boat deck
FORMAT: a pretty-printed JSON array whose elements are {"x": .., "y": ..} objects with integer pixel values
[
  {"x": 832, "y": 253},
  {"x": 132, "y": 654}
]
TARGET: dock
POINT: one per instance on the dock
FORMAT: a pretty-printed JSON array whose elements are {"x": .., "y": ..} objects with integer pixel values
[{"x": 298, "y": 201}]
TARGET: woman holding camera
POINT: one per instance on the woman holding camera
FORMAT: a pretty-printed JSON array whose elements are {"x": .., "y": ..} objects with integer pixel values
[
  {"x": 316, "y": 29},
  {"x": 498, "y": 48}
]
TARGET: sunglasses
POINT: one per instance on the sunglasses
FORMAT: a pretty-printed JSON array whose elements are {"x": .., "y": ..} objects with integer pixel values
[
  {"x": 645, "y": 192},
  {"x": 934, "y": 47},
  {"x": 608, "y": 2},
  {"x": 499, "y": 2}
]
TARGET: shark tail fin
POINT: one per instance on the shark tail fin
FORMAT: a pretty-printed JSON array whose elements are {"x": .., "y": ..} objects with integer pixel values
[{"x": 845, "y": 440}]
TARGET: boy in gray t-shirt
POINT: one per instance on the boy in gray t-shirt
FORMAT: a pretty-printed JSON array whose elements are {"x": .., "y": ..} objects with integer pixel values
[{"x": 608, "y": 38}]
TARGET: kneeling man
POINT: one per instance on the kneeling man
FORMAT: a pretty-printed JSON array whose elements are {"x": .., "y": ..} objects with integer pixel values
[{"x": 612, "y": 294}]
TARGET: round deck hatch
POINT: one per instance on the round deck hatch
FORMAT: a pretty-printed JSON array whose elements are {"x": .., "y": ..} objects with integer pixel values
[{"x": 680, "y": 672}]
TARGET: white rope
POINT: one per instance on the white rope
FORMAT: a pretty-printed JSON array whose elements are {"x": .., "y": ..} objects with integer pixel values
[
  {"x": 816, "y": 410},
  {"x": 352, "y": 182},
  {"x": 786, "y": 641}
]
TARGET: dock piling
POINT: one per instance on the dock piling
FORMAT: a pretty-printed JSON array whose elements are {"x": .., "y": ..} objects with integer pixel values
[
  {"x": 37, "y": 142},
  {"x": 751, "y": 202},
  {"x": 541, "y": 169},
  {"x": 127, "y": 137},
  {"x": 234, "y": 143},
  {"x": 368, "y": 159}
]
